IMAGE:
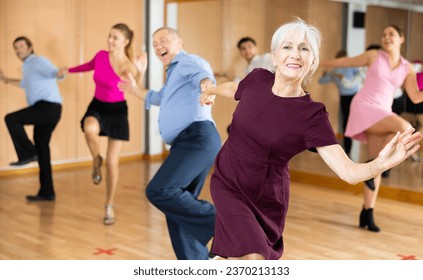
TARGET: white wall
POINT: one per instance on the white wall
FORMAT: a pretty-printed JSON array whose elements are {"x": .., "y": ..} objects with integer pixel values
[
  {"x": 156, "y": 74},
  {"x": 356, "y": 37},
  {"x": 401, "y": 4}
]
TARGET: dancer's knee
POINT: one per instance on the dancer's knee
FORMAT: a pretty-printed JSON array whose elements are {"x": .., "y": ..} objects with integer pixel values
[
  {"x": 9, "y": 119},
  {"x": 154, "y": 194}
]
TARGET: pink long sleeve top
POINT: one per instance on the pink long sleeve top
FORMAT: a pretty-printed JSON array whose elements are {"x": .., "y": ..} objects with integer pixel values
[{"x": 105, "y": 78}]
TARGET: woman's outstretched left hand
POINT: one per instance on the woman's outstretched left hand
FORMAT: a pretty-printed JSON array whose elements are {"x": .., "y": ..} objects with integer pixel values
[{"x": 400, "y": 148}]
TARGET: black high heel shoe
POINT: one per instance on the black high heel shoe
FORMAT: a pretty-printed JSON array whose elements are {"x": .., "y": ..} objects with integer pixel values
[
  {"x": 363, "y": 220},
  {"x": 367, "y": 220}
]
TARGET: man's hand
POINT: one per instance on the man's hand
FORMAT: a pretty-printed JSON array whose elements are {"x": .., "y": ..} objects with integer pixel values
[
  {"x": 3, "y": 77},
  {"x": 130, "y": 86},
  {"x": 206, "y": 98},
  {"x": 62, "y": 72}
]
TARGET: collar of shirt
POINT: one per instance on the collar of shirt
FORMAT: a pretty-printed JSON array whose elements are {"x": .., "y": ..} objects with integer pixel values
[
  {"x": 31, "y": 56},
  {"x": 255, "y": 58},
  {"x": 402, "y": 59},
  {"x": 176, "y": 59}
]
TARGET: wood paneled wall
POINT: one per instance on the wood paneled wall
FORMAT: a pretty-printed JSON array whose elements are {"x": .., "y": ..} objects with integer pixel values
[
  {"x": 67, "y": 32},
  {"x": 70, "y": 32},
  {"x": 378, "y": 17},
  {"x": 415, "y": 38},
  {"x": 211, "y": 29}
]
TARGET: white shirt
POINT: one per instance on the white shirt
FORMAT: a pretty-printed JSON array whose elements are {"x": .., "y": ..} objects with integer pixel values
[{"x": 261, "y": 61}]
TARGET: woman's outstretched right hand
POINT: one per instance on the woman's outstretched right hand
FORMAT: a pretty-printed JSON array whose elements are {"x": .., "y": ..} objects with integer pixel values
[{"x": 141, "y": 62}]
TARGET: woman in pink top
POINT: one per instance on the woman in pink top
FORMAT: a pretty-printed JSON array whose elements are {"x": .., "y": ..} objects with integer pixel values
[
  {"x": 107, "y": 114},
  {"x": 371, "y": 118}
]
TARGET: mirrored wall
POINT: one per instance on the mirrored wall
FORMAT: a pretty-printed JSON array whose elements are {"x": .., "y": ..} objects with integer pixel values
[{"x": 212, "y": 29}]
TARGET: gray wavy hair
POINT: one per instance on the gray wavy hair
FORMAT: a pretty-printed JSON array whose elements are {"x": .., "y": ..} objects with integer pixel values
[{"x": 310, "y": 32}]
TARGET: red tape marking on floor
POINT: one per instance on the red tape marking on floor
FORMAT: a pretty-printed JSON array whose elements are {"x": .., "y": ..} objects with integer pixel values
[
  {"x": 104, "y": 251},
  {"x": 407, "y": 257}
]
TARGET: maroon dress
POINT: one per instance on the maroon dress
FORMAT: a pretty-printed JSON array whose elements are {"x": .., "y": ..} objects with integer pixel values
[{"x": 250, "y": 183}]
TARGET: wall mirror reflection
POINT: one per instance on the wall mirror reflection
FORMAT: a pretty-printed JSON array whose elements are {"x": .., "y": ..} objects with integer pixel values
[{"x": 348, "y": 25}]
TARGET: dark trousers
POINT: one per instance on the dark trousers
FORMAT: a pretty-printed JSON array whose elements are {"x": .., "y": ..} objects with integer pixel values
[
  {"x": 175, "y": 187},
  {"x": 345, "y": 111},
  {"x": 44, "y": 116},
  {"x": 399, "y": 104}
]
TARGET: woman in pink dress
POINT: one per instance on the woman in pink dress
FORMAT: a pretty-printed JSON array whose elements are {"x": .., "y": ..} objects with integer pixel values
[
  {"x": 371, "y": 118},
  {"x": 276, "y": 119},
  {"x": 107, "y": 114}
]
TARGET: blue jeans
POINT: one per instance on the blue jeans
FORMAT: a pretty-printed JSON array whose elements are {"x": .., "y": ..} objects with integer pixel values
[{"x": 175, "y": 187}]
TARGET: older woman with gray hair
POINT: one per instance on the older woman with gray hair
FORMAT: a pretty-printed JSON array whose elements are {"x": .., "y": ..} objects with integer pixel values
[{"x": 276, "y": 119}]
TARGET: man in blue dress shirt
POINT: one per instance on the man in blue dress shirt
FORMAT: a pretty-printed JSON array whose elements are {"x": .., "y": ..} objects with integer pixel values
[
  {"x": 341, "y": 76},
  {"x": 44, "y": 111},
  {"x": 190, "y": 130}
]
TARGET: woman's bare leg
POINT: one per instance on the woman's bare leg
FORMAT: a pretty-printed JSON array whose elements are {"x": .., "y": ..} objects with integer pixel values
[
  {"x": 91, "y": 132},
  {"x": 112, "y": 163},
  {"x": 378, "y": 136},
  {"x": 112, "y": 178}
]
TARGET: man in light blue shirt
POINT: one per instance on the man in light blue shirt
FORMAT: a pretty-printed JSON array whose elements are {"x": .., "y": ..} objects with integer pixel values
[
  {"x": 44, "y": 111},
  {"x": 340, "y": 76},
  {"x": 179, "y": 97},
  {"x": 190, "y": 130}
]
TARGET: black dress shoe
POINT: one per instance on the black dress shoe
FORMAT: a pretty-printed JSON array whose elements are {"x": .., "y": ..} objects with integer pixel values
[
  {"x": 40, "y": 197},
  {"x": 24, "y": 161}
]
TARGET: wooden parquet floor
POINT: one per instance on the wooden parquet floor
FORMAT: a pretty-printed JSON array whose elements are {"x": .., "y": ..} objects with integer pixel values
[{"x": 321, "y": 223}]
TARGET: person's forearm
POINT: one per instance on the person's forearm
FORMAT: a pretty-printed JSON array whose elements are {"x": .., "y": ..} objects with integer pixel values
[
  {"x": 14, "y": 82},
  {"x": 138, "y": 89},
  {"x": 139, "y": 78},
  {"x": 360, "y": 171},
  {"x": 141, "y": 93},
  {"x": 349, "y": 171},
  {"x": 227, "y": 89}
]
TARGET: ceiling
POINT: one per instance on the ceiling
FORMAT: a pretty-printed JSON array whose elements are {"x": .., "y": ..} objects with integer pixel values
[
  {"x": 380, "y": 2},
  {"x": 414, "y": 5}
]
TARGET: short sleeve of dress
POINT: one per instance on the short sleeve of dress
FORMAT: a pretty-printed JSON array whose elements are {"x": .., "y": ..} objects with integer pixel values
[
  {"x": 319, "y": 131},
  {"x": 243, "y": 84}
]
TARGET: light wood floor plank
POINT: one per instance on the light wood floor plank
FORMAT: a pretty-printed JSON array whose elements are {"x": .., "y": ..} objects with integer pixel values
[{"x": 322, "y": 222}]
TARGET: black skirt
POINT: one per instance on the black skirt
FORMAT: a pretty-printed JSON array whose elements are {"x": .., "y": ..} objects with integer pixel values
[{"x": 112, "y": 117}]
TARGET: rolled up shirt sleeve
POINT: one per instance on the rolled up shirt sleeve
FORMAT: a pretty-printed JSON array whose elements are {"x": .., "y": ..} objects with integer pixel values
[
  {"x": 196, "y": 70},
  {"x": 153, "y": 98}
]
